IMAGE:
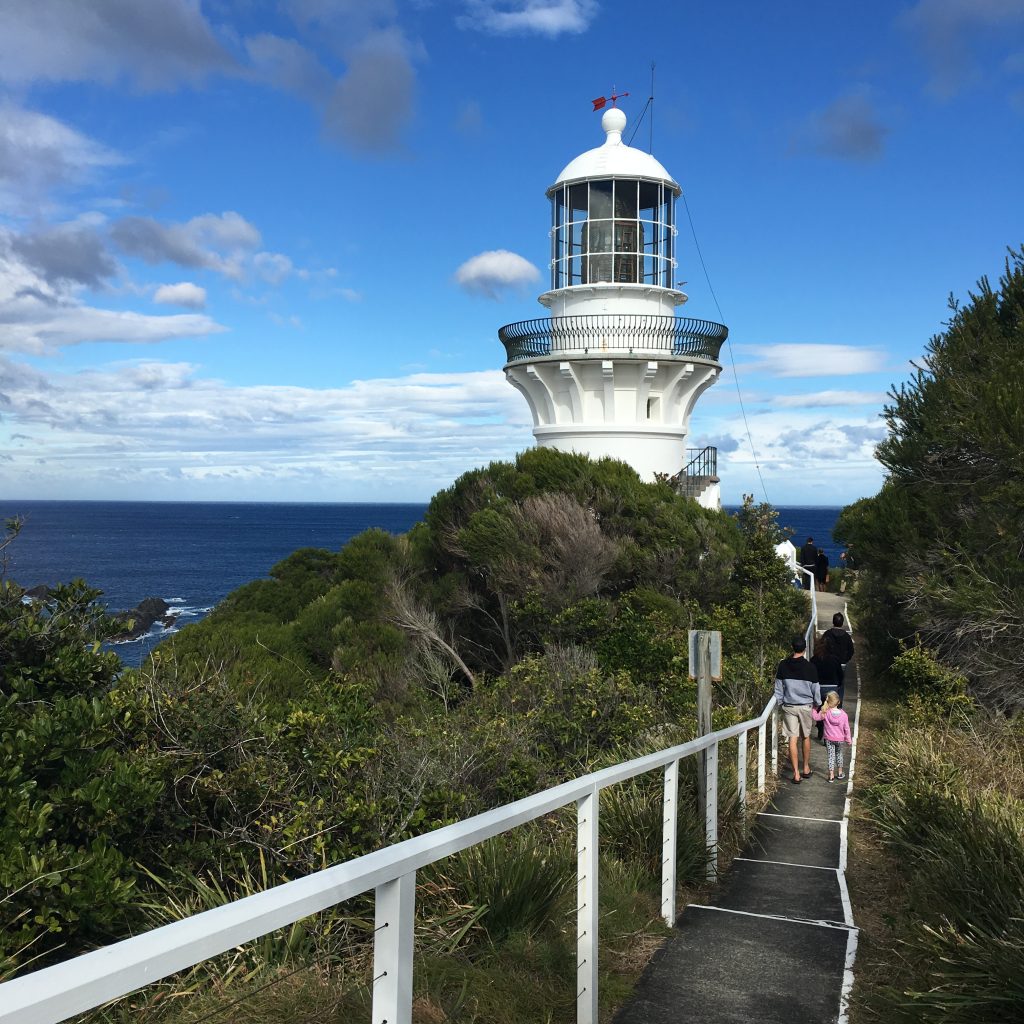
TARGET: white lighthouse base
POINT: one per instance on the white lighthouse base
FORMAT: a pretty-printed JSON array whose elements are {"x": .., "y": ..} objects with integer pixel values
[{"x": 649, "y": 452}]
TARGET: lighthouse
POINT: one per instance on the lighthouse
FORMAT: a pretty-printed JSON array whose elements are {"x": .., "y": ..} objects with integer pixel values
[{"x": 613, "y": 370}]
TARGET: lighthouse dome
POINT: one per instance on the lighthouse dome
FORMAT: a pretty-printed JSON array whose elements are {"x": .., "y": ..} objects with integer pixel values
[{"x": 614, "y": 158}]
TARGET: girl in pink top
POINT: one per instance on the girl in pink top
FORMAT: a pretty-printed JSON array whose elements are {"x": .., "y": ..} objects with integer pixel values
[{"x": 837, "y": 732}]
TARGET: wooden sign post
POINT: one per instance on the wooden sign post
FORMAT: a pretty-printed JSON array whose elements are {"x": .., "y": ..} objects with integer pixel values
[{"x": 705, "y": 665}]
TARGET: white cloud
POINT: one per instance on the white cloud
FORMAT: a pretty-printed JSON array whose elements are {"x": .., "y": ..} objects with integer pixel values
[
  {"x": 219, "y": 242},
  {"x": 154, "y": 423},
  {"x": 40, "y": 315},
  {"x": 157, "y": 45},
  {"x": 39, "y": 153},
  {"x": 829, "y": 399},
  {"x": 187, "y": 294},
  {"x": 273, "y": 267},
  {"x": 490, "y": 273},
  {"x": 795, "y": 360},
  {"x": 522, "y": 17},
  {"x": 72, "y": 253},
  {"x": 948, "y": 31},
  {"x": 374, "y": 100},
  {"x": 805, "y": 457},
  {"x": 287, "y": 64},
  {"x": 849, "y": 128}
]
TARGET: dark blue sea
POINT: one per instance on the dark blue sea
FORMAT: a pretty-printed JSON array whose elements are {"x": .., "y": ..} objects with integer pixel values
[{"x": 193, "y": 554}]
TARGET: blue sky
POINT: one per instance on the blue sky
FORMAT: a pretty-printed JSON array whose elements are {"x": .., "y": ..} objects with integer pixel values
[{"x": 239, "y": 241}]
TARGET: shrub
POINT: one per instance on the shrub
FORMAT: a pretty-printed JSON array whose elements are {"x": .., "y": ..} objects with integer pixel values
[
  {"x": 518, "y": 881},
  {"x": 949, "y": 800}
]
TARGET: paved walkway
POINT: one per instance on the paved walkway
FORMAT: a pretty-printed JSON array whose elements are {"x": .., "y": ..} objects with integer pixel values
[{"x": 776, "y": 943}]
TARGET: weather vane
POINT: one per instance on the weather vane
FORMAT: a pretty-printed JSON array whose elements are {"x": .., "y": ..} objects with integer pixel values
[{"x": 602, "y": 100}]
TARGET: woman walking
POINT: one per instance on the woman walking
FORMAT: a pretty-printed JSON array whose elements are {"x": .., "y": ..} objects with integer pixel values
[
  {"x": 830, "y": 674},
  {"x": 821, "y": 571}
]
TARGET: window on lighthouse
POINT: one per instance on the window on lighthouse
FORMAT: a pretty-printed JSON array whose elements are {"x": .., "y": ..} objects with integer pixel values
[{"x": 616, "y": 230}]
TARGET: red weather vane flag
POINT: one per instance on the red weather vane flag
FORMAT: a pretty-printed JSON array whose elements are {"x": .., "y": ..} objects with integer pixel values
[{"x": 601, "y": 101}]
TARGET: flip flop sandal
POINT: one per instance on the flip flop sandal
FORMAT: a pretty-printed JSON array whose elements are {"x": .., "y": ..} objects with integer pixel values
[
  {"x": 795, "y": 782},
  {"x": 806, "y": 775}
]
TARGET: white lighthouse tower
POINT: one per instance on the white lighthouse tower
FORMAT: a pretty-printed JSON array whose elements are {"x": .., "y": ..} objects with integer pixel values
[{"x": 613, "y": 371}]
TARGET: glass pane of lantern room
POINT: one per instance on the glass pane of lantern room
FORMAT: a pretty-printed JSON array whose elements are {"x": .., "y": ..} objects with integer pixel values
[
  {"x": 648, "y": 200},
  {"x": 558, "y": 206},
  {"x": 600, "y": 200},
  {"x": 578, "y": 201},
  {"x": 625, "y": 198}
]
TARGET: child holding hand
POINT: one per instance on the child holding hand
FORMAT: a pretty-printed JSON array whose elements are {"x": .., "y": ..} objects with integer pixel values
[{"x": 837, "y": 732}]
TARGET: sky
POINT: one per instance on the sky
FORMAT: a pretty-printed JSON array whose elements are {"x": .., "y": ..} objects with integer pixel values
[{"x": 260, "y": 250}]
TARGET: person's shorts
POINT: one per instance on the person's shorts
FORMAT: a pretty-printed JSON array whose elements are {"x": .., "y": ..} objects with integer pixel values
[{"x": 796, "y": 720}]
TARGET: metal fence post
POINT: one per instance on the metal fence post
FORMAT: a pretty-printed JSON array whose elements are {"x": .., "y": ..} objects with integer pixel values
[
  {"x": 741, "y": 773},
  {"x": 775, "y": 741},
  {"x": 586, "y": 908},
  {"x": 761, "y": 752},
  {"x": 670, "y": 817},
  {"x": 394, "y": 913},
  {"x": 711, "y": 810}
]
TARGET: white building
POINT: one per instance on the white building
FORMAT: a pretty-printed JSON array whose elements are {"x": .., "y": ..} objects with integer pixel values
[{"x": 613, "y": 371}]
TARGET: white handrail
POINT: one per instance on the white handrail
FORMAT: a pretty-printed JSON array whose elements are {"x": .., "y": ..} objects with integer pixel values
[
  {"x": 810, "y": 634},
  {"x": 55, "y": 993}
]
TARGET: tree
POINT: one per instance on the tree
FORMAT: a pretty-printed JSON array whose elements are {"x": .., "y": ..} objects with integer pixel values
[
  {"x": 944, "y": 539},
  {"x": 71, "y": 807}
]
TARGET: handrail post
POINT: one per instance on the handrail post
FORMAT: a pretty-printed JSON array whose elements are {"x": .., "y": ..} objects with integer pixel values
[
  {"x": 394, "y": 916},
  {"x": 775, "y": 741},
  {"x": 711, "y": 809},
  {"x": 761, "y": 737},
  {"x": 741, "y": 774},
  {"x": 586, "y": 907},
  {"x": 670, "y": 818}
]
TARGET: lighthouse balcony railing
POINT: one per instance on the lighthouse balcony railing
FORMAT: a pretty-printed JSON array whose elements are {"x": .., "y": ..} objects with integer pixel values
[
  {"x": 701, "y": 462},
  {"x": 58, "y": 992},
  {"x": 615, "y": 334}
]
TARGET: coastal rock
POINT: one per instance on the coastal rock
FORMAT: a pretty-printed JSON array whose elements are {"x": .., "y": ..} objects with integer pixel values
[{"x": 139, "y": 620}]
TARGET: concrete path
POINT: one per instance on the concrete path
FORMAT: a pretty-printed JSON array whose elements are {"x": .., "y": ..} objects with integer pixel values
[{"x": 777, "y": 941}]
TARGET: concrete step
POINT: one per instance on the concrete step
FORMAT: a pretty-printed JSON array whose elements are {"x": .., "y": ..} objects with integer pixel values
[
  {"x": 784, "y": 890},
  {"x": 795, "y": 841},
  {"x": 727, "y": 968}
]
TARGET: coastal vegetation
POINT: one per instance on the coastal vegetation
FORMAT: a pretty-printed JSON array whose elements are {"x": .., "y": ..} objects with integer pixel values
[
  {"x": 531, "y": 628},
  {"x": 940, "y": 601}
]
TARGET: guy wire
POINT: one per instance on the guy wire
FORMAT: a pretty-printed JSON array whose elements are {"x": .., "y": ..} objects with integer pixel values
[{"x": 732, "y": 357}]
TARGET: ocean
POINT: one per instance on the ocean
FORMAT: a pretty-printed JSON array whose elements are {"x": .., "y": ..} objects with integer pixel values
[{"x": 193, "y": 554}]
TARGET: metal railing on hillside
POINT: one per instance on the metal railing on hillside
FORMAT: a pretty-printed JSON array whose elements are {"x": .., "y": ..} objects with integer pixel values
[
  {"x": 614, "y": 333},
  {"x": 811, "y": 633},
  {"x": 55, "y": 993}
]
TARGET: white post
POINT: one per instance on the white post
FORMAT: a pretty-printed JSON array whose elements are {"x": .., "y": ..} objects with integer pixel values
[
  {"x": 586, "y": 908},
  {"x": 761, "y": 737},
  {"x": 670, "y": 817},
  {"x": 741, "y": 773},
  {"x": 711, "y": 810},
  {"x": 395, "y": 905},
  {"x": 775, "y": 741}
]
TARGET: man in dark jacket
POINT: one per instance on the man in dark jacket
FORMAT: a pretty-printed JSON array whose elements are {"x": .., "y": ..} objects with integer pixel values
[
  {"x": 796, "y": 689},
  {"x": 839, "y": 642},
  {"x": 808, "y": 560}
]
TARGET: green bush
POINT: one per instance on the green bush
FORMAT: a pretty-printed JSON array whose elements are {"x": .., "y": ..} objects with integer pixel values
[
  {"x": 518, "y": 882},
  {"x": 949, "y": 801}
]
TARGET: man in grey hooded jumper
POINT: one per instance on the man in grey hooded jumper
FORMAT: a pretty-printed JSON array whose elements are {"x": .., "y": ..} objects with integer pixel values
[{"x": 797, "y": 690}]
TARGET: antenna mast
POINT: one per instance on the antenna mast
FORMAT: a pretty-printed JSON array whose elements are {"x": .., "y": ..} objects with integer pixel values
[{"x": 650, "y": 126}]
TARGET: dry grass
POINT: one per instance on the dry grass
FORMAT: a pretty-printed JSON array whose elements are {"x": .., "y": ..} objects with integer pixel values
[{"x": 876, "y": 890}]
